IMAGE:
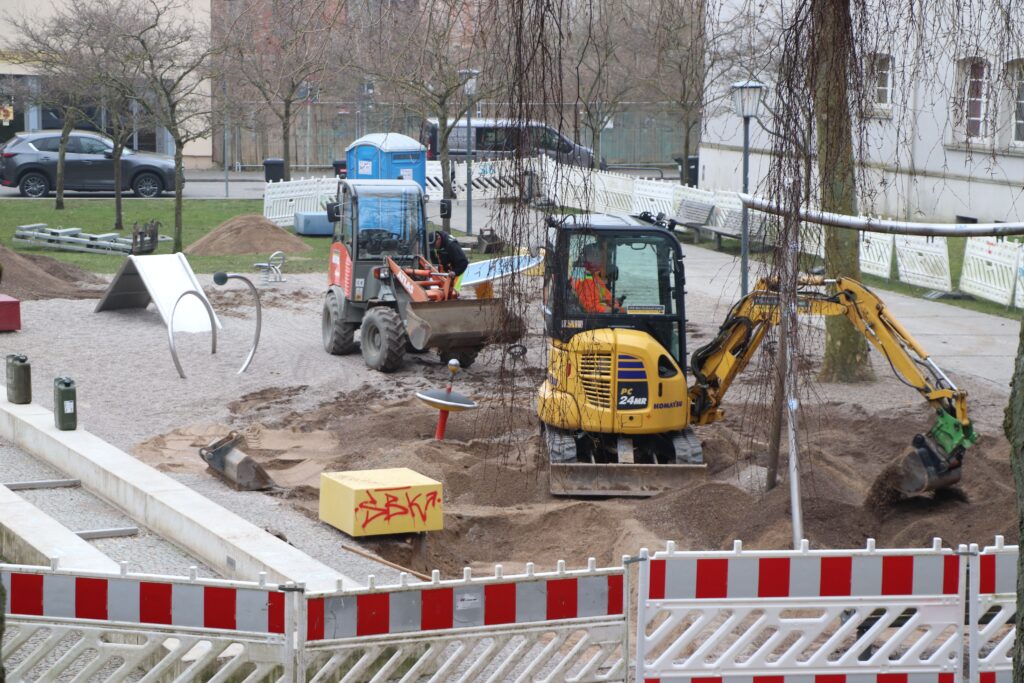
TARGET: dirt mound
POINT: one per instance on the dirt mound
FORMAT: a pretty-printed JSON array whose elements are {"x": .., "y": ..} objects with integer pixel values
[
  {"x": 498, "y": 507},
  {"x": 34, "y": 276},
  {"x": 247, "y": 234}
]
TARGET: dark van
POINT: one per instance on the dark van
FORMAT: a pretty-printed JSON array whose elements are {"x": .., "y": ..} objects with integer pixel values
[{"x": 499, "y": 138}]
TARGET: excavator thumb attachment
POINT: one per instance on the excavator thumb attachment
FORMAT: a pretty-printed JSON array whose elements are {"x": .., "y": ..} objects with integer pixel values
[{"x": 461, "y": 324}]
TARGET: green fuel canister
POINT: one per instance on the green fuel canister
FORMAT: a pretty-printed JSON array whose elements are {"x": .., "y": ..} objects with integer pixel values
[
  {"x": 19, "y": 379},
  {"x": 65, "y": 409}
]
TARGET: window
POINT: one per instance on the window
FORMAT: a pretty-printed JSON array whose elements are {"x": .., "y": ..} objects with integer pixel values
[
  {"x": 389, "y": 221},
  {"x": 47, "y": 144},
  {"x": 93, "y": 146},
  {"x": 1017, "y": 85},
  {"x": 976, "y": 98},
  {"x": 880, "y": 77}
]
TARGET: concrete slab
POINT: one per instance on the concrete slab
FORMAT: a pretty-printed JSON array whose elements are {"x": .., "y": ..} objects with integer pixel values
[
  {"x": 28, "y": 536},
  {"x": 222, "y": 539}
]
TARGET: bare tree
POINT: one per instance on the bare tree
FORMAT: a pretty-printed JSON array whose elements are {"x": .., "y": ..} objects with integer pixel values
[
  {"x": 294, "y": 39},
  {"x": 422, "y": 57}
]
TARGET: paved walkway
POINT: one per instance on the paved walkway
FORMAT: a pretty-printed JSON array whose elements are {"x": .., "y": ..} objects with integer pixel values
[{"x": 960, "y": 340}]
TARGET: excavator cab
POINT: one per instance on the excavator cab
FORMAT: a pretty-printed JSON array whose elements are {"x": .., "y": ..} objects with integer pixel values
[{"x": 613, "y": 406}]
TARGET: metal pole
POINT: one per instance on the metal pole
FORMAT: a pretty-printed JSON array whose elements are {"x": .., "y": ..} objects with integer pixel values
[
  {"x": 744, "y": 236},
  {"x": 227, "y": 185},
  {"x": 469, "y": 167},
  {"x": 309, "y": 128},
  {"x": 792, "y": 404}
]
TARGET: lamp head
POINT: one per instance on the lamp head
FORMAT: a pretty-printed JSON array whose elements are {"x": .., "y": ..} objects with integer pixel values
[{"x": 746, "y": 98}]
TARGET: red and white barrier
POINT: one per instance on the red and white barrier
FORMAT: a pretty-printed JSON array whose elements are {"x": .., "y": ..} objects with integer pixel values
[
  {"x": 771, "y": 614},
  {"x": 993, "y": 603},
  {"x": 207, "y": 605}
]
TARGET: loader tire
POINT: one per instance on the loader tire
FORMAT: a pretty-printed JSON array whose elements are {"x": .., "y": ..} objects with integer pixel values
[
  {"x": 466, "y": 357},
  {"x": 339, "y": 336},
  {"x": 383, "y": 339}
]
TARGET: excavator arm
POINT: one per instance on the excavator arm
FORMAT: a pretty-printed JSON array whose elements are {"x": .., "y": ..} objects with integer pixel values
[{"x": 936, "y": 458}]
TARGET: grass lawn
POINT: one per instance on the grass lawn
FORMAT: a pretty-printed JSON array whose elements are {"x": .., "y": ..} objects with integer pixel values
[{"x": 200, "y": 217}]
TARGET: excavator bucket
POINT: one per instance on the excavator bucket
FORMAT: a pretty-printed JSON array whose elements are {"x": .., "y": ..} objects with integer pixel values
[
  {"x": 583, "y": 480},
  {"x": 461, "y": 323},
  {"x": 232, "y": 465},
  {"x": 924, "y": 468}
]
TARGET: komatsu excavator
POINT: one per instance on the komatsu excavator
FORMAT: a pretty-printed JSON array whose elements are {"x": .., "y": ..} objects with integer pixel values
[{"x": 615, "y": 408}]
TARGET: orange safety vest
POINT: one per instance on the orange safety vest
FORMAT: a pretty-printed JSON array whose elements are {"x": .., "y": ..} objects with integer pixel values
[{"x": 593, "y": 294}]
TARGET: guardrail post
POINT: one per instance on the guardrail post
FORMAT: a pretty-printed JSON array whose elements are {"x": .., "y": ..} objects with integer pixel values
[
  {"x": 643, "y": 586},
  {"x": 973, "y": 607}
]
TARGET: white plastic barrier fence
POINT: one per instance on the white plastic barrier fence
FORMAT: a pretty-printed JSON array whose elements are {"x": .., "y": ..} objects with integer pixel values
[
  {"x": 282, "y": 200},
  {"x": 877, "y": 615},
  {"x": 97, "y": 627},
  {"x": 993, "y": 590},
  {"x": 875, "y": 253},
  {"x": 924, "y": 261},
  {"x": 559, "y": 626},
  {"x": 491, "y": 179},
  {"x": 613, "y": 193},
  {"x": 990, "y": 269},
  {"x": 657, "y": 197}
]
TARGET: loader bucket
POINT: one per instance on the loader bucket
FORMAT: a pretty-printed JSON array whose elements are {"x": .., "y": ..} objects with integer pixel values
[
  {"x": 461, "y": 323},
  {"x": 229, "y": 463},
  {"x": 924, "y": 468},
  {"x": 620, "y": 479}
]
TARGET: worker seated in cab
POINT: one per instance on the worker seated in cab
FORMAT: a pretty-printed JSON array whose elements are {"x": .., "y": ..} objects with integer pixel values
[{"x": 589, "y": 280}]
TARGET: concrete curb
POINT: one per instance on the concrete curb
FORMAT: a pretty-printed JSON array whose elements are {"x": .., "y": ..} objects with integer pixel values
[
  {"x": 226, "y": 542},
  {"x": 29, "y": 536}
]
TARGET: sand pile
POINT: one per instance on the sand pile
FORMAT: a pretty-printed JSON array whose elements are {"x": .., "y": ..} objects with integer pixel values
[
  {"x": 247, "y": 234},
  {"x": 34, "y": 276},
  {"x": 498, "y": 508}
]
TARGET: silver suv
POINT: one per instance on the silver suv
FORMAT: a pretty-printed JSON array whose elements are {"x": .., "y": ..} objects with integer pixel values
[{"x": 28, "y": 161}]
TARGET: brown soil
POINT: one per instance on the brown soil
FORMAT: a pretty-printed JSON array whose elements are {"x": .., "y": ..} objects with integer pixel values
[
  {"x": 34, "y": 276},
  {"x": 498, "y": 508},
  {"x": 247, "y": 234}
]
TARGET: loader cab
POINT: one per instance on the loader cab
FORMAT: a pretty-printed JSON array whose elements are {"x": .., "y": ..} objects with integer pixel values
[
  {"x": 379, "y": 218},
  {"x": 613, "y": 272}
]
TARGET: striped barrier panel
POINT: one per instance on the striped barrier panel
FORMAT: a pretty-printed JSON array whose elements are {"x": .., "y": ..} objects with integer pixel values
[
  {"x": 560, "y": 626},
  {"x": 990, "y": 269},
  {"x": 924, "y": 261},
  {"x": 656, "y": 196},
  {"x": 613, "y": 193},
  {"x": 118, "y": 627},
  {"x": 993, "y": 592},
  {"x": 876, "y": 254},
  {"x": 803, "y": 614}
]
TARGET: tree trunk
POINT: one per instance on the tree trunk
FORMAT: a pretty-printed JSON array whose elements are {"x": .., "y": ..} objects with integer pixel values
[
  {"x": 65, "y": 133},
  {"x": 777, "y": 410},
  {"x": 443, "y": 131},
  {"x": 1013, "y": 427},
  {"x": 286, "y": 139},
  {"x": 179, "y": 182},
  {"x": 118, "y": 179},
  {"x": 846, "y": 350}
]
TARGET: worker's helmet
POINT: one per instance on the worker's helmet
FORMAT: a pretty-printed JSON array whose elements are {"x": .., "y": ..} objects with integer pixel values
[{"x": 433, "y": 236}]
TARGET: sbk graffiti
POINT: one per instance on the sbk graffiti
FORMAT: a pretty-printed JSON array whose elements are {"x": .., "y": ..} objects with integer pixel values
[{"x": 396, "y": 503}]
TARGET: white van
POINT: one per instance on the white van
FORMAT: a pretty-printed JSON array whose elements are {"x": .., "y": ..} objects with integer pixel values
[{"x": 498, "y": 138}]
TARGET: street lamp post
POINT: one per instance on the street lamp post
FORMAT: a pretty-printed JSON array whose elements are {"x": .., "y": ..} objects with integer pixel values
[
  {"x": 746, "y": 99},
  {"x": 469, "y": 76}
]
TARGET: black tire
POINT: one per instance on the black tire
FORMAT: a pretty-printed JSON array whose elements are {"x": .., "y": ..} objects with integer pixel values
[
  {"x": 466, "y": 357},
  {"x": 383, "y": 339},
  {"x": 147, "y": 185},
  {"x": 339, "y": 336},
  {"x": 34, "y": 184}
]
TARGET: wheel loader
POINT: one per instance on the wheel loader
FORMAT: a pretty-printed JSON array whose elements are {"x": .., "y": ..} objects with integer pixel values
[
  {"x": 380, "y": 285},
  {"x": 615, "y": 409}
]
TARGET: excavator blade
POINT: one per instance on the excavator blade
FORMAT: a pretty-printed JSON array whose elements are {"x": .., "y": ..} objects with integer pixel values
[
  {"x": 230, "y": 463},
  {"x": 461, "y": 323},
  {"x": 583, "y": 480}
]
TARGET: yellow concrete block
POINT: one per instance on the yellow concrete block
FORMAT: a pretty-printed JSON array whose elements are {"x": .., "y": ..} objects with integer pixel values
[{"x": 374, "y": 502}]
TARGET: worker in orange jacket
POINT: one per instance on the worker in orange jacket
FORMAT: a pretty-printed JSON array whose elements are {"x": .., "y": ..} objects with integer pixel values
[{"x": 589, "y": 281}]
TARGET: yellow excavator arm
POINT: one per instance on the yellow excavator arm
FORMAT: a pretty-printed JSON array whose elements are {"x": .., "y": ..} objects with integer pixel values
[{"x": 937, "y": 456}]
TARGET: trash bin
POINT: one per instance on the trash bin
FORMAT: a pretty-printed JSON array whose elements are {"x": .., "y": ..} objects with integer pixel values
[
  {"x": 19, "y": 379},
  {"x": 692, "y": 170},
  {"x": 340, "y": 168},
  {"x": 65, "y": 412},
  {"x": 273, "y": 170}
]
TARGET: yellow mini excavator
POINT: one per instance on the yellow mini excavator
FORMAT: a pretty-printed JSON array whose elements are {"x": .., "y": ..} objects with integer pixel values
[{"x": 615, "y": 408}]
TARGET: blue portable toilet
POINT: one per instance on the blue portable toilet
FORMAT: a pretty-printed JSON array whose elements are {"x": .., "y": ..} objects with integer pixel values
[{"x": 387, "y": 156}]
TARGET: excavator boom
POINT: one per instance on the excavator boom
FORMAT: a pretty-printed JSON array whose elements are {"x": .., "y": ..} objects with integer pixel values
[{"x": 936, "y": 457}]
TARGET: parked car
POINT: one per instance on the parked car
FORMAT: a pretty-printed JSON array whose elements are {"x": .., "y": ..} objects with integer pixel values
[
  {"x": 28, "y": 161},
  {"x": 499, "y": 138}
]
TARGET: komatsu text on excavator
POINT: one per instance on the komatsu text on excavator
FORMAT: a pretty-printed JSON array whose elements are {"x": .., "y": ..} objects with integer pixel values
[{"x": 615, "y": 407}]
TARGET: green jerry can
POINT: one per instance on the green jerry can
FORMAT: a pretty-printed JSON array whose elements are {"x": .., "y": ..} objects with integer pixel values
[
  {"x": 65, "y": 413},
  {"x": 19, "y": 379}
]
